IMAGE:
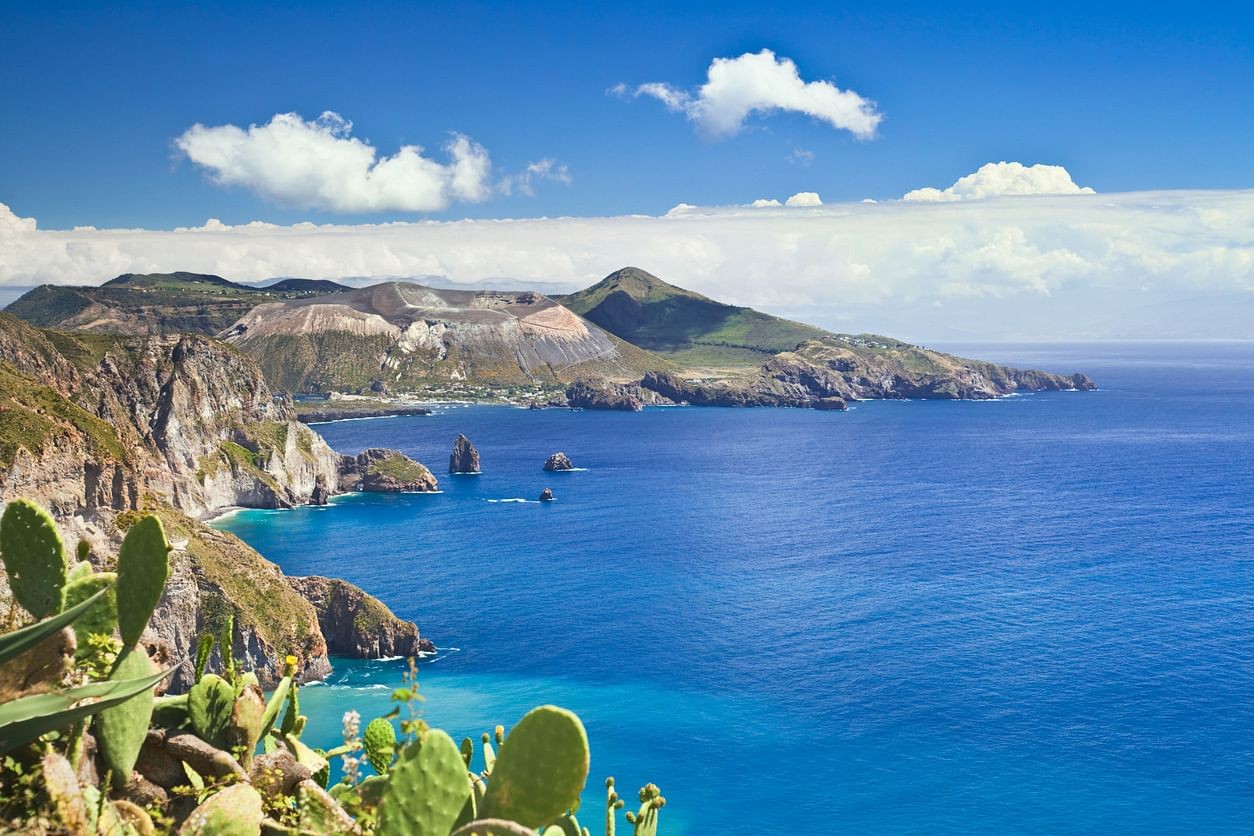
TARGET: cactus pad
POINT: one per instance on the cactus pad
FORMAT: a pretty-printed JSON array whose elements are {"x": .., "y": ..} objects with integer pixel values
[
  {"x": 234, "y": 811},
  {"x": 34, "y": 557},
  {"x": 101, "y": 618},
  {"x": 120, "y": 731},
  {"x": 541, "y": 768},
  {"x": 426, "y": 789},
  {"x": 143, "y": 566},
  {"x": 209, "y": 704}
]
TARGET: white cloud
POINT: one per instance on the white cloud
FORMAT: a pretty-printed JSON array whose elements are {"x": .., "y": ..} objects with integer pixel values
[
  {"x": 801, "y": 157},
  {"x": 760, "y": 83},
  {"x": 318, "y": 164},
  {"x": 765, "y": 203},
  {"x": 1144, "y": 264},
  {"x": 994, "y": 179},
  {"x": 804, "y": 199},
  {"x": 525, "y": 180}
]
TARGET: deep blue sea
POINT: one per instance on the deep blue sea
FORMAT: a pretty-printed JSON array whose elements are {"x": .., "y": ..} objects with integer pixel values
[{"x": 1028, "y": 615}]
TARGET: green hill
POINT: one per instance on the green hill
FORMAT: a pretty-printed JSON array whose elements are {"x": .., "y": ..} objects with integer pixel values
[
  {"x": 156, "y": 303},
  {"x": 691, "y": 329}
]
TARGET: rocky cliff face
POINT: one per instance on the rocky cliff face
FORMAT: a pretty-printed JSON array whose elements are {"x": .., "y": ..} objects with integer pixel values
[
  {"x": 357, "y": 625},
  {"x": 590, "y": 394},
  {"x": 100, "y": 428}
]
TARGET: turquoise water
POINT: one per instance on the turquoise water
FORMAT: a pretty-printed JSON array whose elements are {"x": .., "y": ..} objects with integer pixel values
[{"x": 1034, "y": 614}]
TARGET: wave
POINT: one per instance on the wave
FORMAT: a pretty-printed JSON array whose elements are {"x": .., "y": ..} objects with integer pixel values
[{"x": 512, "y": 499}]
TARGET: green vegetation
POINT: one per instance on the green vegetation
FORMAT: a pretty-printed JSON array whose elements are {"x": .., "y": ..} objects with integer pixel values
[
  {"x": 686, "y": 327},
  {"x": 222, "y": 759},
  {"x": 34, "y": 416},
  {"x": 400, "y": 468}
]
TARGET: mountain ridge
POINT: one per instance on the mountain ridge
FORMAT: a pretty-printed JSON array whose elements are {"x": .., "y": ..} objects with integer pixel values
[{"x": 317, "y": 336}]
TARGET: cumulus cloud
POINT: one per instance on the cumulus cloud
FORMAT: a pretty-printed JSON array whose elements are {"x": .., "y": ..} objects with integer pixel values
[
  {"x": 765, "y": 203},
  {"x": 804, "y": 199},
  {"x": 759, "y": 84},
  {"x": 1146, "y": 264},
  {"x": 995, "y": 179},
  {"x": 318, "y": 164}
]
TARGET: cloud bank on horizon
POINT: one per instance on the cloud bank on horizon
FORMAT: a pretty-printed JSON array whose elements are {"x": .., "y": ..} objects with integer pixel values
[
  {"x": 989, "y": 262},
  {"x": 318, "y": 164},
  {"x": 759, "y": 83}
]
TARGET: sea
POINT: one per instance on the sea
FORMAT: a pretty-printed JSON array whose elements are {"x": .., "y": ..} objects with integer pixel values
[{"x": 1028, "y": 615}]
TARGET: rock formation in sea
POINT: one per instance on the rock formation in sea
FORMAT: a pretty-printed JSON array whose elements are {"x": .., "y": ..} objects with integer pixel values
[
  {"x": 465, "y": 458},
  {"x": 357, "y": 625},
  {"x": 101, "y": 429},
  {"x": 385, "y": 471},
  {"x": 591, "y": 394},
  {"x": 546, "y": 495},
  {"x": 558, "y": 461}
]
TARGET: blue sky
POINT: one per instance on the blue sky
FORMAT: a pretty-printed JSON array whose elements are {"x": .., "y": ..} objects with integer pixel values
[
  {"x": 1065, "y": 170},
  {"x": 1125, "y": 96}
]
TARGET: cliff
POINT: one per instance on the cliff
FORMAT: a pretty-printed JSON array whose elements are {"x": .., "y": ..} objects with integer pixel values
[
  {"x": 97, "y": 427},
  {"x": 357, "y": 625}
]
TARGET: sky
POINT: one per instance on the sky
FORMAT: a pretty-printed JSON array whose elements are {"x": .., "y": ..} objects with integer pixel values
[{"x": 1046, "y": 171}]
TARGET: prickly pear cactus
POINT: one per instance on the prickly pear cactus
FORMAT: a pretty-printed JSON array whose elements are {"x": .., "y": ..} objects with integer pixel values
[
  {"x": 379, "y": 739},
  {"x": 120, "y": 730},
  {"x": 143, "y": 566},
  {"x": 426, "y": 789},
  {"x": 101, "y": 618},
  {"x": 541, "y": 768},
  {"x": 234, "y": 811},
  {"x": 34, "y": 557},
  {"x": 468, "y": 751},
  {"x": 209, "y": 704}
]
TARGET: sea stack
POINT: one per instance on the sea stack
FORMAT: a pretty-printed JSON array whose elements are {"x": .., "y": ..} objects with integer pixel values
[
  {"x": 546, "y": 495},
  {"x": 465, "y": 458},
  {"x": 558, "y": 461}
]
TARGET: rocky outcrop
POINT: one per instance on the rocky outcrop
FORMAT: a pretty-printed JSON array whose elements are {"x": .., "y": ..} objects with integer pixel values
[
  {"x": 464, "y": 458},
  {"x": 357, "y": 625},
  {"x": 588, "y": 394},
  {"x": 558, "y": 461},
  {"x": 826, "y": 373},
  {"x": 546, "y": 495},
  {"x": 385, "y": 471}
]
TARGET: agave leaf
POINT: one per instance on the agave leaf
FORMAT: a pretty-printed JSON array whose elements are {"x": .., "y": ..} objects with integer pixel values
[
  {"x": 19, "y": 641},
  {"x": 25, "y": 719}
]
